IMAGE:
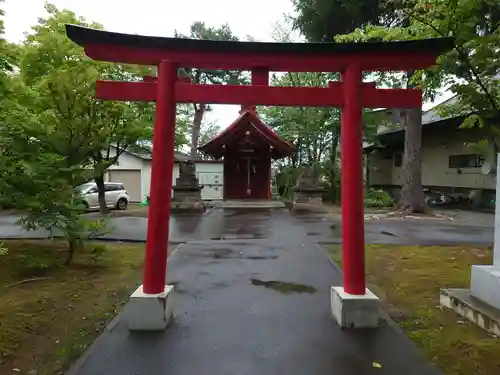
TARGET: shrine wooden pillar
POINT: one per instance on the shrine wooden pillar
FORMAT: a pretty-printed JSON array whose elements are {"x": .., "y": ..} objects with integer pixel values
[
  {"x": 269, "y": 178},
  {"x": 353, "y": 248},
  {"x": 155, "y": 266}
]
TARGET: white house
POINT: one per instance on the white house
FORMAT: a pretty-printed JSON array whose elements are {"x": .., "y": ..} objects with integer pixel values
[{"x": 133, "y": 169}]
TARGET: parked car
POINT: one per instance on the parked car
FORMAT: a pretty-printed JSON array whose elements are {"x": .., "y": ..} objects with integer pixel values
[{"x": 115, "y": 194}]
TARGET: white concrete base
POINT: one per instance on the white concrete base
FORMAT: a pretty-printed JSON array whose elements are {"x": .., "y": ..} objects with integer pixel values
[
  {"x": 473, "y": 309},
  {"x": 355, "y": 311},
  {"x": 485, "y": 285},
  {"x": 150, "y": 312}
]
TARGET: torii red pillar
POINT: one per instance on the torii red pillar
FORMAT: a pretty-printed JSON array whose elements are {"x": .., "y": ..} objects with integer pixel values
[
  {"x": 353, "y": 243},
  {"x": 161, "y": 180}
]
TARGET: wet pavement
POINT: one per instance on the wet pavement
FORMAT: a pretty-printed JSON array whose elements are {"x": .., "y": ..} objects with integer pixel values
[
  {"x": 134, "y": 229},
  {"x": 426, "y": 233},
  {"x": 220, "y": 224},
  {"x": 253, "y": 297},
  {"x": 324, "y": 229}
]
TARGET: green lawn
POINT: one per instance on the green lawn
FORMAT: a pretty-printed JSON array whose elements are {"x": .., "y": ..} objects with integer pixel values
[
  {"x": 49, "y": 313},
  {"x": 408, "y": 281}
]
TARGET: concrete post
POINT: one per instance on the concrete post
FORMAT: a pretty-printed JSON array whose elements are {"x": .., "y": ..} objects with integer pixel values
[
  {"x": 485, "y": 280},
  {"x": 151, "y": 305},
  {"x": 353, "y": 305},
  {"x": 496, "y": 244}
]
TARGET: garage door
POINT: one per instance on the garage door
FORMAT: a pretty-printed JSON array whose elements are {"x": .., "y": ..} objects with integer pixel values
[{"x": 131, "y": 180}]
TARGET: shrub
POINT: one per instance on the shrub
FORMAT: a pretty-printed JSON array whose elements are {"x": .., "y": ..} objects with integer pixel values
[
  {"x": 378, "y": 199},
  {"x": 3, "y": 249},
  {"x": 97, "y": 251},
  {"x": 36, "y": 263}
]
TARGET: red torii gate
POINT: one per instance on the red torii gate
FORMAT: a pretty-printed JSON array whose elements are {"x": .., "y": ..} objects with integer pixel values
[{"x": 169, "y": 54}]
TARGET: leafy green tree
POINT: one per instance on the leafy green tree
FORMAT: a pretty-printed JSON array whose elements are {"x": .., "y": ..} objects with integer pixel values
[
  {"x": 308, "y": 128},
  {"x": 56, "y": 128},
  {"x": 43, "y": 145},
  {"x": 61, "y": 83},
  {"x": 123, "y": 126},
  {"x": 471, "y": 70},
  {"x": 7, "y": 59},
  {"x": 326, "y": 20},
  {"x": 40, "y": 183},
  {"x": 314, "y": 131},
  {"x": 4, "y": 65},
  {"x": 182, "y": 125},
  {"x": 208, "y": 131},
  {"x": 52, "y": 203},
  {"x": 71, "y": 121},
  {"x": 322, "y": 20},
  {"x": 199, "y": 30},
  {"x": 2, "y": 13}
]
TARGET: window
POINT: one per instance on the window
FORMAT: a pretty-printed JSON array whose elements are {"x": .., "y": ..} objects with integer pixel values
[
  {"x": 84, "y": 189},
  {"x": 398, "y": 160},
  {"x": 113, "y": 187},
  {"x": 465, "y": 161}
]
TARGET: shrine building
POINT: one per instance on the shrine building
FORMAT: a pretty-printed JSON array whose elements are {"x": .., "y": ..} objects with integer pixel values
[{"x": 247, "y": 147}]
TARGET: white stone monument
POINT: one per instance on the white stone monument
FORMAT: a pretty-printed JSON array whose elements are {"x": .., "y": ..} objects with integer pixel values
[
  {"x": 485, "y": 280},
  {"x": 481, "y": 303}
]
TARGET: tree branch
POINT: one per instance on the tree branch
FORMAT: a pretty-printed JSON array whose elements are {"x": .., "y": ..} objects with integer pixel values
[{"x": 465, "y": 59}]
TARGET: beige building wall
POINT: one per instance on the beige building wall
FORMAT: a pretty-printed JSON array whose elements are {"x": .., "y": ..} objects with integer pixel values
[
  {"x": 381, "y": 167},
  {"x": 435, "y": 164}
]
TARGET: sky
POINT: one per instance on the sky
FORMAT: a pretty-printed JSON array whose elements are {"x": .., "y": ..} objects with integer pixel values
[{"x": 254, "y": 18}]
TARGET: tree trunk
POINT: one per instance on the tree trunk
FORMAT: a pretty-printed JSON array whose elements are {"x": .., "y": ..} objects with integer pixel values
[
  {"x": 99, "y": 180},
  {"x": 412, "y": 194},
  {"x": 295, "y": 156},
  {"x": 74, "y": 244},
  {"x": 195, "y": 130}
]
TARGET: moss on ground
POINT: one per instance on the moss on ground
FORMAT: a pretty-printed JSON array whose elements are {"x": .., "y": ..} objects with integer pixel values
[
  {"x": 408, "y": 281},
  {"x": 49, "y": 314}
]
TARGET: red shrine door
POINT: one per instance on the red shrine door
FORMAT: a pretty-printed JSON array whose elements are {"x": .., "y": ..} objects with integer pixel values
[{"x": 246, "y": 174}]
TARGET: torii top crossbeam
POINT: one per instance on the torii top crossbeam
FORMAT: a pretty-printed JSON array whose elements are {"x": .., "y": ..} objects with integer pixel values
[{"x": 278, "y": 57}]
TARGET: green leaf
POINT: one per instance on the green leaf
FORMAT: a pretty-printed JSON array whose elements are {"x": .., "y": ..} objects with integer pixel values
[{"x": 472, "y": 121}]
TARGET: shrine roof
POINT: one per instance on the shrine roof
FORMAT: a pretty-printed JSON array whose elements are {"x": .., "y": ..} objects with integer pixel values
[
  {"x": 83, "y": 35},
  {"x": 214, "y": 147}
]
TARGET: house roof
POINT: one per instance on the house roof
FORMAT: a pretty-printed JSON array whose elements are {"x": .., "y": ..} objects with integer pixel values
[
  {"x": 247, "y": 120},
  {"x": 146, "y": 153},
  {"x": 429, "y": 117},
  {"x": 432, "y": 116}
]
